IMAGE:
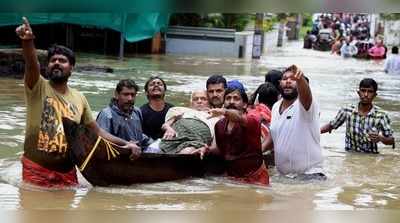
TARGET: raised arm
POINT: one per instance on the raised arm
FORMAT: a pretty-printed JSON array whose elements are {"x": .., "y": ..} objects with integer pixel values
[
  {"x": 305, "y": 95},
  {"x": 32, "y": 67},
  {"x": 230, "y": 114}
]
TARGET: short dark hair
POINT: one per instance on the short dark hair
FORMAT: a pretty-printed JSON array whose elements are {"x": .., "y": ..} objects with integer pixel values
[
  {"x": 367, "y": 83},
  {"x": 274, "y": 76},
  {"x": 395, "y": 50},
  {"x": 61, "y": 50},
  {"x": 128, "y": 83},
  {"x": 291, "y": 69},
  {"x": 267, "y": 94},
  {"x": 146, "y": 85},
  {"x": 216, "y": 79},
  {"x": 243, "y": 94}
]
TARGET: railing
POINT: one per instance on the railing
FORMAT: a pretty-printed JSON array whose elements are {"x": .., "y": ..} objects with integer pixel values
[{"x": 205, "y": 33}]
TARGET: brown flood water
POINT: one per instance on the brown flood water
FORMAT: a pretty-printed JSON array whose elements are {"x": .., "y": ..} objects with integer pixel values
[{"x": 355, "y": 181}]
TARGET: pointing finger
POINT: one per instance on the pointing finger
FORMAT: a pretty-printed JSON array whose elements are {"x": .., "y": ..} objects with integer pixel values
[{"x": 26, "y": 22}]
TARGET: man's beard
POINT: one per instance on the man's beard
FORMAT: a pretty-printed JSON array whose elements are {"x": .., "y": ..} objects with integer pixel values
[
  {"x": 127, "y": 107},
  {"x": 156, "y": 96},
  {"x": 215, "y": 102},
  {"x": 290, "y": 96},
  {"x": 57, "y": 76}
]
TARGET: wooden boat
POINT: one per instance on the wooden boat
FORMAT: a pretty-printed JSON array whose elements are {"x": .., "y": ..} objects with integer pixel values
[{"x": 112, "y": 166}]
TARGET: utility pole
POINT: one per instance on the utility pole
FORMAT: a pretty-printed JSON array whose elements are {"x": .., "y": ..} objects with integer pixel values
[
  {"x": 281, "y": 29},
  {"x": 258, "y": 38}
]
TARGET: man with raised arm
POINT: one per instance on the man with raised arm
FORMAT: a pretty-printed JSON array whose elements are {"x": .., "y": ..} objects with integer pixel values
[
  {"x": 295, "y": 134},
  {"x": 46, "y": 160},
  {"x": 237, "y": 138}
]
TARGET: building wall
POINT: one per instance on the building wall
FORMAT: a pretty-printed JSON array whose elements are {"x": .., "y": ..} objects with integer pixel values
[
  {"x": 392, "y": 32},
  {"x": 201, "y": 47},
  {"x": 209, "y": 47}
]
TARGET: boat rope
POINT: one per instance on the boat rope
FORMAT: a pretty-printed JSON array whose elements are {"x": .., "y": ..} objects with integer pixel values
[{"x": 111, "y": 151}]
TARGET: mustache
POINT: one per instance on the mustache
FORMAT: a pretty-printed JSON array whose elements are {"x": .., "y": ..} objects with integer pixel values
[
  {"x": 56, "y": 68},
  {"x": 157, "y": 88},
  {"x": 231, "y": 106}
]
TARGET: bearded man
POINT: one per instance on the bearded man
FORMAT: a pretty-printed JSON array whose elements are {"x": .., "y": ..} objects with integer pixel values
[
  {"x": 295, "y": 134},
  {"x": 46, "y": 160}
]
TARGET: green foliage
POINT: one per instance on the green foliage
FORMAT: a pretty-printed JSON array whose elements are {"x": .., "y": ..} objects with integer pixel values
[
  {"x": 282, "y": 16},
  {"x": 390, "y": 16},
  {"x": 307, "y": 19},
  {"x": 216, "y": 20},
  {"x": 185, "y": 19}
]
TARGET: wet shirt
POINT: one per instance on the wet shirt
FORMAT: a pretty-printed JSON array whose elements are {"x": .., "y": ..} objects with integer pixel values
[
  {"x": 241, "y": 147},
  {"x": 296, "y": 137},
  {"x": 358, "y": 127},
  {"x": 392, "y": 65},
  {"x": 348, "y": 50},
  {"x": 153, "y": 120},
  {"x": 127, "y": 126},
  {"x": 377, "y": 51},
  {"x": 264, "y": 114},
  {"x": 45, "y": 140}
]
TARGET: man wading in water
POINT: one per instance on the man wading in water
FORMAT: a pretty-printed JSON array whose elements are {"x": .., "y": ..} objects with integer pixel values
[
  {"x": 46, "y": 161},
  {"x": 366, "y": 124}
]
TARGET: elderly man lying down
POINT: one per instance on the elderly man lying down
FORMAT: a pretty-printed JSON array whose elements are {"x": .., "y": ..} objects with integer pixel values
[{"x": 186, "y": 129}]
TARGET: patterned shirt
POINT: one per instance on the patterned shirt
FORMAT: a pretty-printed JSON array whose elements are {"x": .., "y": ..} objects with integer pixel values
[{"x": 358, "y": 127}]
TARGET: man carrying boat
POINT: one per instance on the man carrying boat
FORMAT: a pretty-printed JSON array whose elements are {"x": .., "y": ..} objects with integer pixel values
[
  {"x": 46, "y": 160},
  {"x": 237, "y": 138},
  {"x": 366, "y": 124},
  {"x": 121, "y": 118}
]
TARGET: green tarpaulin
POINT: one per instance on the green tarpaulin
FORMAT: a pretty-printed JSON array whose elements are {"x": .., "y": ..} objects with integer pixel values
[{"x": 134, "y": 26}]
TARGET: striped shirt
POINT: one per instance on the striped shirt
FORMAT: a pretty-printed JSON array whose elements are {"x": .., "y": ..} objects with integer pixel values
[{"x": 358, "y": 127}]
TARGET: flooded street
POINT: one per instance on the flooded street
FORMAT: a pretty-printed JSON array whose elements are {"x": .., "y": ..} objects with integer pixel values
[{"x": 355, "y": 181}]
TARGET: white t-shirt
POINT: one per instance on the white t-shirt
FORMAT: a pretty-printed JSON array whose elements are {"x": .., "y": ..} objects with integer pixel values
[
  {"x": 392, "y": 65},
  {"x": 296, "y": 137}
]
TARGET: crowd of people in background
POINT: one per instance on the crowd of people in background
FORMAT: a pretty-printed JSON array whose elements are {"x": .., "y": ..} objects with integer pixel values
[{"x": 347, "y": 35}]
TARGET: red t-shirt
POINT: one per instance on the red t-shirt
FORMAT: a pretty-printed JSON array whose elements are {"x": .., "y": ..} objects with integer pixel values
[{"x": 241, "y": 147}]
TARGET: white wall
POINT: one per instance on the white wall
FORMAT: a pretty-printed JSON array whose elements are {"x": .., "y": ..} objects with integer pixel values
[
  {"x": 392, "y": 32},
  {"x": 201, "y": 47},
  {"x": 213, "y": 48}
]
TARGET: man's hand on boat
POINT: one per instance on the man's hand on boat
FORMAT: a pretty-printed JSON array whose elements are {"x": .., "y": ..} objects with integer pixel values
[
  {"x": 135, "y": 149},
  {"x": 202, "y": 151},
  {"x": 169, "y": 133},
  {"x": 24, "y": 31}
]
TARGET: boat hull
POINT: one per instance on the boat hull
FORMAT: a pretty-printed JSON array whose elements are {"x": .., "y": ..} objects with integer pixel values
[{"x": 105, "y": 170}]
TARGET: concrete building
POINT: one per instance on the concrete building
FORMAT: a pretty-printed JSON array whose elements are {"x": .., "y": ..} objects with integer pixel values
[{"x": 205, "y": 41}]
